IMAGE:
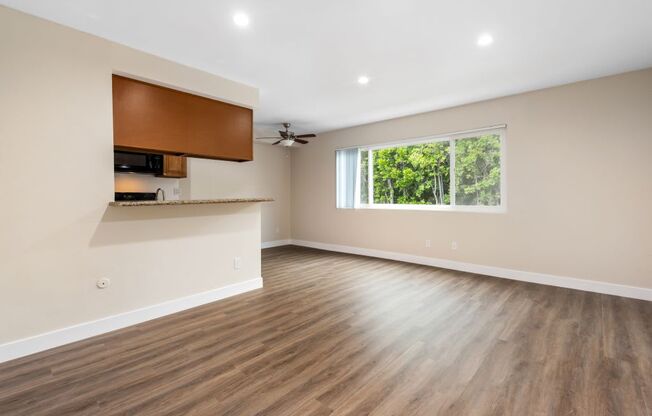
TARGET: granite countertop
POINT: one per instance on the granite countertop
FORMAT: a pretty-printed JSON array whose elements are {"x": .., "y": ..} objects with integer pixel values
[{"x": 187, "y": 202}]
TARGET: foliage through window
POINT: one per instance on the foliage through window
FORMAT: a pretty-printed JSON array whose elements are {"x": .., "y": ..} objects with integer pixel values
[
  {"x": 458, "y": 171},
  {"x": 477, "y": 170}
]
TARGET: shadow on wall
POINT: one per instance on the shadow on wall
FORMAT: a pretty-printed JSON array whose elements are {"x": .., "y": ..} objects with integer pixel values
[{"x": 123, "y": 225}]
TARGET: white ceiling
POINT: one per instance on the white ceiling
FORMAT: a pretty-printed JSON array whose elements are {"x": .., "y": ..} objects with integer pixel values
[{"x": 306, "y": 55}]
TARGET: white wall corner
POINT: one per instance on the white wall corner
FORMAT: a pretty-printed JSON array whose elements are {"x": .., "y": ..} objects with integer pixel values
[
  {"x": 276, "y": 243},
  {"x": 59, "y": 337}
]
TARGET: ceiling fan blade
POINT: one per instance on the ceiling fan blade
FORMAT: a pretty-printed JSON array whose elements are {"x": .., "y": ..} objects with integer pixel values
[
  {"x": 267, "y": 138},
  {"x": 301, "y": 136},
  {"x": 277, "y": 142},
  {"x": 301, "y": 141},
  {"x": 283, "y": 134}
]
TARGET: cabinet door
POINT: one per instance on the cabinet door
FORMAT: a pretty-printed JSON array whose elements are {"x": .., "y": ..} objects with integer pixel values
[
  {"x": 175, "y": 166},
  {"x": 218, "y": 128},
  {"x": 152, "y": 118}
]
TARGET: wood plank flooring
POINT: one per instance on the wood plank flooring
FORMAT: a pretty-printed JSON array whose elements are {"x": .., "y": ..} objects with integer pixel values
[{"x": 337, "y": 334}]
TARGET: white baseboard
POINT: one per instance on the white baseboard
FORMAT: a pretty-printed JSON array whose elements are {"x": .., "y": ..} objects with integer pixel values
[
  {"x": 532, "y": 277},
  {"x": 277, "y": 243},
  {"x": 42, "y": 342}
]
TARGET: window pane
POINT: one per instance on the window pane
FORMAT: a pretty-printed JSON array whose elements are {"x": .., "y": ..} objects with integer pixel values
[
  {"x": 347, "y": 168},
  {"x": 364, "y": 176},
  {"x": 477, "y": 170},
  {"x": 416, "y": 174}
]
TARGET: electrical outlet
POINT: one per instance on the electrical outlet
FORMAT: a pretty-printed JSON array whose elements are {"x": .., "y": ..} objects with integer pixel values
[
  {"x": 454, "y": 245},
  {"x": 103, "y": 283},
  {"x": 176, "y": 191},
  {"x": 428, "y": 243},
  {"x": 237, "y": 263},
  {"x": 278, "y": 230}
]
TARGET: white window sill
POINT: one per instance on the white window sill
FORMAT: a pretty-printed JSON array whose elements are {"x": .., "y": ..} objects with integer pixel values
[{"x": 441, "y": 208}]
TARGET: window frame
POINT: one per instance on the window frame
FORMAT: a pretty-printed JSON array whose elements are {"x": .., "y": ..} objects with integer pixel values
[{"x": 500, "y": 131}]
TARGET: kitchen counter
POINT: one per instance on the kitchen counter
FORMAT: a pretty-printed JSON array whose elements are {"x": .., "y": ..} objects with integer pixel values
[{"x": 187, "y": 202}]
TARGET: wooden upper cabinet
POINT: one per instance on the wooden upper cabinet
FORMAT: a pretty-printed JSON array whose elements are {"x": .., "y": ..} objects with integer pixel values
[
  {"x": 174, "y": 166},
  {"x": 148, "y": 117}
]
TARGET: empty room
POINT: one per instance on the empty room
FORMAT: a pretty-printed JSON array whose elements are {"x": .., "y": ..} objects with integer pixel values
[{"x": 312, "y": 208}]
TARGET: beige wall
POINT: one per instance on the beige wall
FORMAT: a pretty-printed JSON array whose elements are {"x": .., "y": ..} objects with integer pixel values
[
  {"x": 579, "y": 185},
  {"x": 268, "y": 176},
  {"x": 57, "y": 235}
]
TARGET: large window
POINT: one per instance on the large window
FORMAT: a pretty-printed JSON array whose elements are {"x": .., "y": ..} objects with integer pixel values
[{"x": 463, "y": 171}]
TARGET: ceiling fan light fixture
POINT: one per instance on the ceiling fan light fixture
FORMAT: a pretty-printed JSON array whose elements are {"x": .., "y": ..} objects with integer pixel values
[{"x": 287, "y": 138}]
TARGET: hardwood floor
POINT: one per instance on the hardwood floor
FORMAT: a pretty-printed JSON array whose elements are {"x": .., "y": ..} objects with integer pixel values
[{"x": 337, "y": 334}]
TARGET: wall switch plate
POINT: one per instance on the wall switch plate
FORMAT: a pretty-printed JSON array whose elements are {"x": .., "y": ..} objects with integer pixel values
[
  {"x": 428, "y": 244},
  {"x": 103, "y": 283},
  {"x": 454, "y": 245},
  {"x": 237, "y": 263}
]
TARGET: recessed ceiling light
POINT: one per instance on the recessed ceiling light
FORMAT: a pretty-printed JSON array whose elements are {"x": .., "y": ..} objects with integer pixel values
[
  {"x": 241, "y": 19},
  {"x": 363, "y": 80},
  {"x": 485, "y": 39}
]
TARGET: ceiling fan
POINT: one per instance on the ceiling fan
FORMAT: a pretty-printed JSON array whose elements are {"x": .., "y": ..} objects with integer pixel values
[{"x": 288, "y": 138}]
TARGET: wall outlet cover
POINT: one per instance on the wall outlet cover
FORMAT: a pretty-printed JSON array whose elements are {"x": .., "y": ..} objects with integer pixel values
[{"x": 103, "y": 283}]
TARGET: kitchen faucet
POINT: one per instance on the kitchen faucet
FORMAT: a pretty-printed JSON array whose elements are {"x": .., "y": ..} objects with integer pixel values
[{"x": 162, "y": 193}]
